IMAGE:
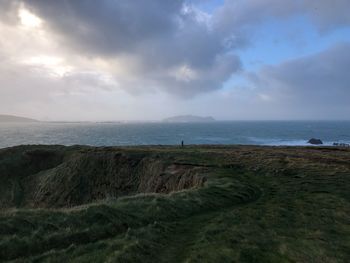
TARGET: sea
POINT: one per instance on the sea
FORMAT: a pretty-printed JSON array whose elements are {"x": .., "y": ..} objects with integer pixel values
[{"x": 274, "y": 133}]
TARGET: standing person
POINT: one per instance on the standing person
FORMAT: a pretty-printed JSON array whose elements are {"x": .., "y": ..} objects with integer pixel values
[{"x": 182, "y": 143}]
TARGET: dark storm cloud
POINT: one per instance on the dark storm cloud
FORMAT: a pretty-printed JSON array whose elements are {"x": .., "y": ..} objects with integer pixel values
[
  {"x": 320, "y": 81},
  {"x": 167, "y": 45},
  {"x": 108, "y": 26},
  {"x": 170, "y": 44}
]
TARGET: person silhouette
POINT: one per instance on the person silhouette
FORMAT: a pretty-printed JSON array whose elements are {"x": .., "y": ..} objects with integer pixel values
[{"x": 182, "y": 143}]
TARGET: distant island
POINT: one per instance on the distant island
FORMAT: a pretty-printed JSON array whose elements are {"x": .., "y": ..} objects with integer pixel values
[
  {"x": 11, "y": 118},
  {"x": 189, "y": 118}
]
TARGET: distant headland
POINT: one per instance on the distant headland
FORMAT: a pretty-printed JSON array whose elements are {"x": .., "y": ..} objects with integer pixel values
[
  {"x": 189, "y": 118},
  {"x": 11, "y": 118}
]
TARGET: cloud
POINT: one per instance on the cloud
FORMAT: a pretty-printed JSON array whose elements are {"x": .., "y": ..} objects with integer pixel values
[
  {"x": 143, "y": 42},
  {"x": 236, "y": 16},
  {"x": 57, "y": 49},
  {"x": 7, "y": 10},
  {"x": 108, "y": 27},
  {"x": 146, "y": 45},
  {"x": 316, "y": 85}
]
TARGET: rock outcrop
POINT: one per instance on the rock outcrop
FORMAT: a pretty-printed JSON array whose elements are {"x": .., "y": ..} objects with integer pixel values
[
  {"x": 341, "y": 144},
  {"x": 315, "y": 141}
]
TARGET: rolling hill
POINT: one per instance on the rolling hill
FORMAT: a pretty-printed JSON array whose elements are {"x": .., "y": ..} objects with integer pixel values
[{"x": 11, "y": 118}]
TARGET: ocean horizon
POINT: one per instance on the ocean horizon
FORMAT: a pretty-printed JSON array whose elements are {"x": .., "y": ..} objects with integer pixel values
[{"x": 269, "y": 133}]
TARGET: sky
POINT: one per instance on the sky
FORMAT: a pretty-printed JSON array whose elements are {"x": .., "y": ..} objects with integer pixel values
[{"x": 111, "y": 60}]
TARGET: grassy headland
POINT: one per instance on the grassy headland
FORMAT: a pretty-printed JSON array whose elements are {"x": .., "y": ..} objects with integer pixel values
[{"x": 171, "y": 204}]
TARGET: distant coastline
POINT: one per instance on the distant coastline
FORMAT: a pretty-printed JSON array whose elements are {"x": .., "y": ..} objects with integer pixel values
[
  {"x": 188, "y": 119},
  {"x": 12, "y": 118}
]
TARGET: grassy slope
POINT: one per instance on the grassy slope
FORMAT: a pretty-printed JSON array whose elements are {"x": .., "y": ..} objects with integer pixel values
[{"x": 259, "y": 204}]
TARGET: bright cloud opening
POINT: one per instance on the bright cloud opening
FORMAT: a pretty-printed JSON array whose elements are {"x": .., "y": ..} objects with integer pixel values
[
  {"x": 185, "y": 73},
  {"x": 54, "y": 65},
  {"x": 28, "y": 19}
]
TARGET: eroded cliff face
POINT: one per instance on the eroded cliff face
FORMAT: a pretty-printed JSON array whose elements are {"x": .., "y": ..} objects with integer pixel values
[{"x": 61, "y": 177}]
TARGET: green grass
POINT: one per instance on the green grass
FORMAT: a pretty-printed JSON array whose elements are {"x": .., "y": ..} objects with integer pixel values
[{"x": 259, "y": 204}]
